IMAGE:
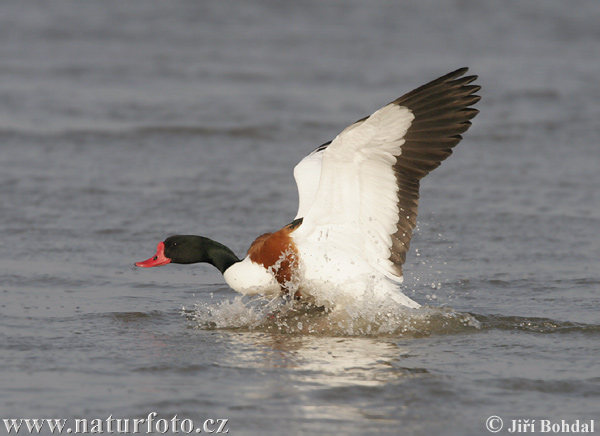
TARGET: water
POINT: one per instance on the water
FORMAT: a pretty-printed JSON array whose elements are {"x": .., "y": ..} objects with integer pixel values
[{"x": 124, "y": 122}]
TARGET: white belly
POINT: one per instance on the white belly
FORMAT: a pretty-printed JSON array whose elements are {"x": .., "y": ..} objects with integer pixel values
[{"x": 249, "y": 278}]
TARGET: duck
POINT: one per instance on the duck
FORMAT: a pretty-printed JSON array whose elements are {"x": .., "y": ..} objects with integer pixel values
[{"x": 357, "y": 209}]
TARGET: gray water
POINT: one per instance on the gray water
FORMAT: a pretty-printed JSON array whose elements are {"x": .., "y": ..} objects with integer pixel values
[{"x": 124, "y": 122}]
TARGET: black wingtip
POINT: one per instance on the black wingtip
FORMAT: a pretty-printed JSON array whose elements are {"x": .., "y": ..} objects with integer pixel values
[
  {"x": 442, "y": 112},
  {"x": 453, "y": 75},
  {"x": 460, "y": 72},
  {"x": 454, "y": 78}
]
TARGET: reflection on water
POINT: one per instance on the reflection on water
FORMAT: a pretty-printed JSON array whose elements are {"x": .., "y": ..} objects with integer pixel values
[
  {"x": 321, "y": 368},
  {"x": 327, "y": 363}
]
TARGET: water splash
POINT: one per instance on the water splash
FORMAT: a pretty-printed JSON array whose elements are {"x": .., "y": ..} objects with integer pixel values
[{"x": 369, "y": 318}]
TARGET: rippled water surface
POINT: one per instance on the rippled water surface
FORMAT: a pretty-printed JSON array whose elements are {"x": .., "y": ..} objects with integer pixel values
[{"x": 124, "y": 122}]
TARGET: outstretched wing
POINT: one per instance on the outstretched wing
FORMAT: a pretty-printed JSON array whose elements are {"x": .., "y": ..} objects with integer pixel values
[
  {"x": 307, "y": 175},
  {"x": 363, "y": 188}
]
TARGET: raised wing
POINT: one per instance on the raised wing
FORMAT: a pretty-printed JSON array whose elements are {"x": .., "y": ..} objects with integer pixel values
[
  {"x": 369, "y": 175},
  {"x": 307, "y": 175}
]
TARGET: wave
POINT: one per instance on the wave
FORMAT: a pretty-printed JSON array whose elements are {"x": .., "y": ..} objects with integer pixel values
[
  {"x": 257, "y": 131},
  {"x": 534, "y": 324}
]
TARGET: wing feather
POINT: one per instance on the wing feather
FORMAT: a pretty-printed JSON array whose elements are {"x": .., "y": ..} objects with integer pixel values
[
  {"x": 307, "y": 175},
  {"x": 363, "y": 191},
  {"x": 437, "y": 128}
]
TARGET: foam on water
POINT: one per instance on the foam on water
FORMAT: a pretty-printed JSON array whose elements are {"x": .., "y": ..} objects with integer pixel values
[{"x": 364, "y": 318}]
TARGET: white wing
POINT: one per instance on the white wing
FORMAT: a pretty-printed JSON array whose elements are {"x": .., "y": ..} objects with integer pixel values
[
  {"x": 367, "y": 195},
  {"x": 307, "y": 175}
]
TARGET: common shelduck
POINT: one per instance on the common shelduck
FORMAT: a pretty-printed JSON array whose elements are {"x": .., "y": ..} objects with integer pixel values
[{"x": 358, "y": 200}]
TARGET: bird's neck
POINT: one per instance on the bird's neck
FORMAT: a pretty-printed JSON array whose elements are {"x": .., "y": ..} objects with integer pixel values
[
  {"x": 220, "y": 255},
  {"x": 206, "y": 250}
]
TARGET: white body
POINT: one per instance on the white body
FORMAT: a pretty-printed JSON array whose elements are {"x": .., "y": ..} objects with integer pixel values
[{"x": 249, "y": 278}]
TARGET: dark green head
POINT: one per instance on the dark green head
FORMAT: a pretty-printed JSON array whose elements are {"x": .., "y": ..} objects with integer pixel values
[{"x": 186, "y": 249}]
